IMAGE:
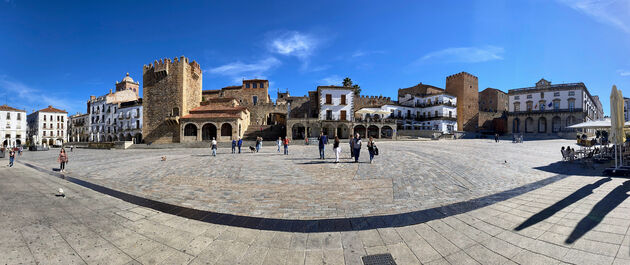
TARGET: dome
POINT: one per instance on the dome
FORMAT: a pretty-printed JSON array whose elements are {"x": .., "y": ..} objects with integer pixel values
[{"x": 127, "y": 79}]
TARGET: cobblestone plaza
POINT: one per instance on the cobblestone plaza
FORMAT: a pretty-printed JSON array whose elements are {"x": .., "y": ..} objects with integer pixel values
[
  {"x": 407, "y": 176},
  {"x": 566, "y": 215}
]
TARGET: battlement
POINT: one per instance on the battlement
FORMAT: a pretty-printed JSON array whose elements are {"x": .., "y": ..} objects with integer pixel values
[
  {"x": 374, "y": 97},
  {"x": 165, "y": 63},
  {"x": 461, "y": 74}
]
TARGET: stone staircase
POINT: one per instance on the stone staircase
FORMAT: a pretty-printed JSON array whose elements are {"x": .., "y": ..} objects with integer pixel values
[{"x": 267, "y": 132}]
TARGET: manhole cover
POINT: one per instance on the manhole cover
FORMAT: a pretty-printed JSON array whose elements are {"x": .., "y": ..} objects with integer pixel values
[{"x": 379, "y": 259}]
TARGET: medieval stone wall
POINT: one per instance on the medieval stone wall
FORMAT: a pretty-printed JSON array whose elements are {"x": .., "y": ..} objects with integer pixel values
[
  {"x": 465, "y": 87},
  {"x": 371, "y": 102}
]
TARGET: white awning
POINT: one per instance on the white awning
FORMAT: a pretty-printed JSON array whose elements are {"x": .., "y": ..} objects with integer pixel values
[{"x": 598, "y": 124}]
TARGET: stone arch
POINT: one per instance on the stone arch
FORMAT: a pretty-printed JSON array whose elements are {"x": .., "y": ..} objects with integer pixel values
[
  {"x": 372, "y": 131},
  {"x": 109, "y": 138},
  {"x": 18, "y": 142},
  {"x": 138, "y": 138},
  {"x": 298, "y": 131},
  {"x": 329, "y": 130},
  {"x": 516, "y": 125},
  {"x": 226, "y": 130},
  {"x": 208, "y": 131},
  {"x": 556, "y": 124},
  {"x": 542, "y": 125},
  {"x": 190, "y": 129},
  {"x": 529, "y": 125},
  {"x": 128, "y": 137},
  {"x": 387, "y": 132},
  {"x": 51, "y": 142},
  {"x": 360, "y": 129},
  {"x": 570, "y": 121}
]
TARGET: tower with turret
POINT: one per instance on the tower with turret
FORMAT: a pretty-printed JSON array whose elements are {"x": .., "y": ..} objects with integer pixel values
[
  {"x": 170, "y": 89},
  {"x": 465, "y": 87},
  {"x": 128, "y": 84}
]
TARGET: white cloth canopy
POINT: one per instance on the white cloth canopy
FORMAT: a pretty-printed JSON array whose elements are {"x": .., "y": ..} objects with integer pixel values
[
  {"x": 372, "y": 111},
  {"x": 598, "y": 124}
]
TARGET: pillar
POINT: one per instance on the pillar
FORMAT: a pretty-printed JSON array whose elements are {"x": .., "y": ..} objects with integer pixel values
[{"x": 198, "y": 133}]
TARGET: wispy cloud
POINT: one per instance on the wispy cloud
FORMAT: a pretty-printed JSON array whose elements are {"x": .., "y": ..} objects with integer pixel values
[
  {"x": 465, "y": 55},
  {"x": 21, "y": 95},
  {"x": 293, "y": 43},
  {"x": 611, "y": 12},
  {"x": 623, "y": 72},
  {"x": 361, "y": 53},
  {"x": 237, "y": 70},
  {"x": 330, "y": 80}
]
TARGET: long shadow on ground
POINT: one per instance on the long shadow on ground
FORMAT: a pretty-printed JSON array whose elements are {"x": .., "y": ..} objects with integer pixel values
[
  {"x": 311, "y": 226},
  {"x": 558, "y": 206},
  {"x": 599, "y": 211}
]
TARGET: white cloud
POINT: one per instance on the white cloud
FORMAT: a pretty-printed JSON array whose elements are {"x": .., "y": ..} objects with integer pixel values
[
  {"x": 238, "y": 69},
  {"x": 294, "y": 43},
  {"x": 465, "y": 55},
  {"x": 20, "y": 95},
  {"x": 334, "y": 80},
  {"x": 623, "y": 72},
  {"x": 611, "y": 12},
  {"x": 361, "y": 53}
]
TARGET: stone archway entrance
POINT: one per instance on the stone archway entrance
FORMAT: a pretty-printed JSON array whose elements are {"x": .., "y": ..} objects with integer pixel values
[
  {"x": 298, "y": 131},
  {"x": 208, "y": 131},
  {"x": 387, "y": 132},
  {"x": 360, "y": 129},
  {"x": 226, "y": 130},
  {"x": 373, "y": 131}
]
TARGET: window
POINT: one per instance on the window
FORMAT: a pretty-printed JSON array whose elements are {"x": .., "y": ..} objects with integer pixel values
[
  {"x": 175, "y": 112},
  {"x": 556, "y": 105},
  {"x": 328, "y": 114},
  {"x": 44, "y": 133},
  {"x": 529, "y": 96},
  {"x": 328, "y": 99},
  {"x": 436, "y": 113},
  {"x": 343, "y": 99},
  {"x": 450, "y": 114},
  {"x": 408, "y": 114},
  {"x": 571, "y": 93},
  {"x": 255, "y": 99},
  {"x": 517, "y": 97},
  {"x": 530, "y": 105},
  {"x": 19, "y": 116},
  {"x": 253, "y": 85},
  {"x": 542, "y": 94},
  {"x": 556, "y": 94},
  {"x": 571, "y": 104},
  {"x": 137, "y": 124},
  {"x": 541, "y": 105},
  {"x": 261, "y": 85},
  {"x": 44, "y": 117},
  {"x": 246, "y": 85},
  {"x": 8, "y": 115},
  {"x": 342, "y": 115}
]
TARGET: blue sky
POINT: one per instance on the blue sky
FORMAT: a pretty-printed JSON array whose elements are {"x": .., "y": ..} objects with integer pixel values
[{"x": 61, "y": 52}]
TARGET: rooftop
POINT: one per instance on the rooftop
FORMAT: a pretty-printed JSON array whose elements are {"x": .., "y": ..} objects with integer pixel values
[
  {"x": 51, "y": 109},
  {"x": 7, "y": 108}
]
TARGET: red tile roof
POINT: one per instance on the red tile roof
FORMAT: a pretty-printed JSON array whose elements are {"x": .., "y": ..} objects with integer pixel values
[
  {"x": 7, "y": 108},
  {"x": 211, "y": 115},
  {"x": 51, "y": 109}
]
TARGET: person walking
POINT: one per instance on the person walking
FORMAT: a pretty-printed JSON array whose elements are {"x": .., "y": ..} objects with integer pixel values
[
  {"x": 279, "y": 143},
  {"x": 323, "y": 141},
  {"x": 62, "y": 159},
  {"x": 11, "y": 157},
  {"x": 214, "y": 147},
  {"x": 371, "y": 148},
  {"x": 71, "y": 148},
  {"x": 336, "y": 149},
  {"x": 233, "y": 146},
  {"x": 286, "y": 145},
  {"x": 240, "y": 143},
  {"x": 258, "y": 140},
  {"x": 20, "y": 150},
  {"x": 357, "y": 148},
  {"x": 352, "y": 147},
  {"x": 496, "y": 137}
]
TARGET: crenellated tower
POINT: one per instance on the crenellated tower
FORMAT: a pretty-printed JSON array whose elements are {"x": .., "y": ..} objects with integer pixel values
[
  {"x": 465, "y": 87},
  {"x": 170, "y": 88}
]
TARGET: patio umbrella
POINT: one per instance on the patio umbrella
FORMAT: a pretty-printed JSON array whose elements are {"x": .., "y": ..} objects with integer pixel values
[
  {"x": 617, "y": 135},
  {"x": 597, "y": 124}
]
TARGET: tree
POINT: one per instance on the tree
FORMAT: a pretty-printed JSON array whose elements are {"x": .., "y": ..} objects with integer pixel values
[{"x": 347, "y": 82}]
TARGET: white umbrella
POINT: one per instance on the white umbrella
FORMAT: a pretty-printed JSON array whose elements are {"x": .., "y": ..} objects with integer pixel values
[
  {"x": 598, "y": 124},
  {"x": 617, "y": 135}
]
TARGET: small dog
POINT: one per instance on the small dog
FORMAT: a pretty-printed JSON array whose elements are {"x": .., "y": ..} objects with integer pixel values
[
  {"x": 164, "y": 158},
  {"x": 253, "y": 149}
]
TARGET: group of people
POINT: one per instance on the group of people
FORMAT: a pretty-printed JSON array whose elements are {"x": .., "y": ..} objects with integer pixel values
[
  {"x": 283, "y": 142},
  {"x": 568, "y": 153}
]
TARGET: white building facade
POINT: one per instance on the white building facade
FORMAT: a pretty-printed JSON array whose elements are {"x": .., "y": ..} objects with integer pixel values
[
  {"x": 336, "y": 103},
  {"x": 129, "y": 118},
  {"x": 78, "y": 128},
  {"x": 48, "y": 127},
  {"x": 12, "y": 126},
  {"x": 550, "y": 109}
]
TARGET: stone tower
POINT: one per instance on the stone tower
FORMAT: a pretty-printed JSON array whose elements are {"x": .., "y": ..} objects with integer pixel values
[
  {"x": 465, "y": 87},
  {"x": 170, "y": 88}
]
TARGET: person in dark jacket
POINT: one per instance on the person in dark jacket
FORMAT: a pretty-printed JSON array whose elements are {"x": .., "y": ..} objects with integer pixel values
[
  {"x": 233, "y": 146},
  {"x": 336, "y": 149},
  {"x": 240, "y": 143},
  {"x": 356, "y": 145},
  {"x": 323, "y": 141},
  {"x": 371, "y": 148}
]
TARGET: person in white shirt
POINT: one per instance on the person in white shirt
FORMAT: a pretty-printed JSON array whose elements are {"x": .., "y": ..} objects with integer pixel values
[{"x": 214, "y": 147}]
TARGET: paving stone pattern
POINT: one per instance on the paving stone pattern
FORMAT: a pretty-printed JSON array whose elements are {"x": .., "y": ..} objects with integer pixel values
[
  {"x": 87, "y": 227},
  {"x": 406, "y": 176}
]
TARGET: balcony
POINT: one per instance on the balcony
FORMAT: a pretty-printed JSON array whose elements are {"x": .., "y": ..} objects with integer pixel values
[
  {"x": 425, "y": 105},
  {"x": 538, "y": 111}
]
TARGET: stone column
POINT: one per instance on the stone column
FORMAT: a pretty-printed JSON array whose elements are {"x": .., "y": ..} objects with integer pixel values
[{"x": 198, "y": 133}]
